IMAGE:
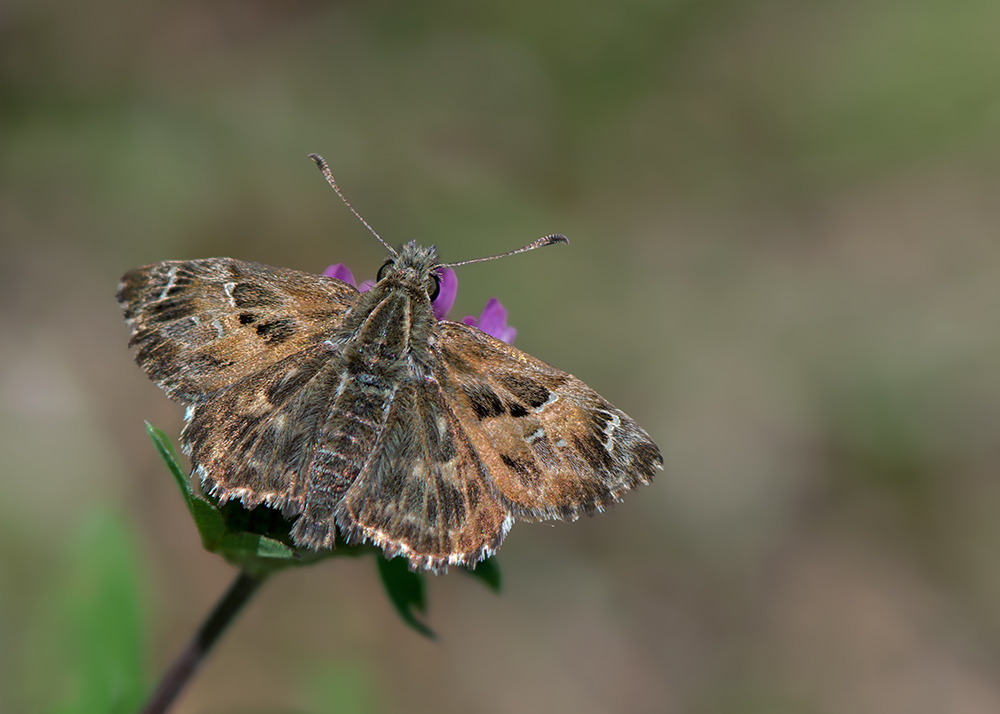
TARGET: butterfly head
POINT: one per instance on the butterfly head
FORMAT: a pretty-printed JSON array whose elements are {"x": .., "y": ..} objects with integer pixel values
[{"x": 414, "y": 267}]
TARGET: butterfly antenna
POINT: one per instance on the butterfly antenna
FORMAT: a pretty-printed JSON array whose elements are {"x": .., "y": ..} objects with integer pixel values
[
  {"x": 330, "y": 180},
  {"x": 547, "y": 240}
]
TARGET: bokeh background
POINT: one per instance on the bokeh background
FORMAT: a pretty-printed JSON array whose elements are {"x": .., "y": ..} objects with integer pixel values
[{"x": 785, "y": 264}]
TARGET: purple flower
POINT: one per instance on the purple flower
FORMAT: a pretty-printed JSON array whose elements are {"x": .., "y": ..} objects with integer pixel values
[
  {"x": 341, "y": 272},
  {"x": 446, "y": 297},
  {"x": 492, "y": 321}
]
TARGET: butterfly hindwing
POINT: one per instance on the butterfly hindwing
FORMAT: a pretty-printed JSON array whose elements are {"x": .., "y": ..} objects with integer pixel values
[
  {"x": 256, "y": 440},
  {"x": 424, "y": 493}
]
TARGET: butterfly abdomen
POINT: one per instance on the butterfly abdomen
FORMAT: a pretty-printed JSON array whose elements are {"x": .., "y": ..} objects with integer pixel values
[{"x": 345, "y": 440}]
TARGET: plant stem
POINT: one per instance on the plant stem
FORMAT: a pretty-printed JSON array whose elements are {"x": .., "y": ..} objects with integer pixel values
[{"x": 191, "y": 657}]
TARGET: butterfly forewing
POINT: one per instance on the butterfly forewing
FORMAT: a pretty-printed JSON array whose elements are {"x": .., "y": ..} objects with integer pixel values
[
  {"x": 553, "y": 446},
  {"x": 202, "y": 325}
]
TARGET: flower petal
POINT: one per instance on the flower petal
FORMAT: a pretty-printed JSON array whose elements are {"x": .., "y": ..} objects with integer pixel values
[
  {"x": 493, "y": 321},
  {"x": 340, "y": 272},
  {"x": 446, "y": 297}
]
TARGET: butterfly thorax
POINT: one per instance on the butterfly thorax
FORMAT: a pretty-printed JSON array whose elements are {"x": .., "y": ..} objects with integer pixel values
[{"x": 391, "y": 324}]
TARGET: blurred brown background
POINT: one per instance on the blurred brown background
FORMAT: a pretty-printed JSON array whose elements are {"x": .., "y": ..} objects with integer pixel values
[{"x": 785, "y": 264}]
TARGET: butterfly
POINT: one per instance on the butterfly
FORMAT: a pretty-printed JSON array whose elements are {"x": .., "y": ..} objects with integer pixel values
[{"x": 364, "y": 417}]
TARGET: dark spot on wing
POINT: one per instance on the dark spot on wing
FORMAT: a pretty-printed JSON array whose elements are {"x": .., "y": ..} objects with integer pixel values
[
  {"x": 516, "y": 410},
  {"x": 252, "y": 295},
  {"x": 276, "y": 331},
  {"x": 528, "y": 391},
  {"x": 485, "y": 402},
  {"x": 247, "y": 317},
  {"x": 592, "y": 449},
  {"x": 522, "y": 467},
  {"x": 170, "y": 310},
  {"x": 183, "y": 275},
  {"x": 180, "y": 285},
  {"x": 598, "y": 422}
]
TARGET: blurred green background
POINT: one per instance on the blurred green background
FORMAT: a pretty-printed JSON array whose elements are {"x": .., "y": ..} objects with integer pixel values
[{"x": 785, "y": 264}]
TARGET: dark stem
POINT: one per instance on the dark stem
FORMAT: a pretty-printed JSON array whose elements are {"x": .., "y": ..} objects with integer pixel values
[{"x": 185, "y": 665}]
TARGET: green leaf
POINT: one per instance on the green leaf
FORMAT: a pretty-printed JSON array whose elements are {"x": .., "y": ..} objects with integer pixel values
[
  {"x": 271, "y": 548},
  {"x": 238, "y": 546},
  {"x": 209, "y": 522},
  {"x": 488, "y": 573},
  {"x": 406, "y": 591},
  {"x": 166, "y": 451}
]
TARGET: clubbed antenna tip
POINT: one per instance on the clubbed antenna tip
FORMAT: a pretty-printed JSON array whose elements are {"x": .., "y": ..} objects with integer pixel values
[{"x": 540, "y": 243}]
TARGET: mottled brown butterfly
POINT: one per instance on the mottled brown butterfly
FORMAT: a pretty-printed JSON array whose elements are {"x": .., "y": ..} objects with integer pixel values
[{"x": 362, "y": 413}]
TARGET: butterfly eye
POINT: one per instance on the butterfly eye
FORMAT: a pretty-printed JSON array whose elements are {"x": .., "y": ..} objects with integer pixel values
[
  {"x": 381, "y": 271},
  {"x": 437, "y": 287}
]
